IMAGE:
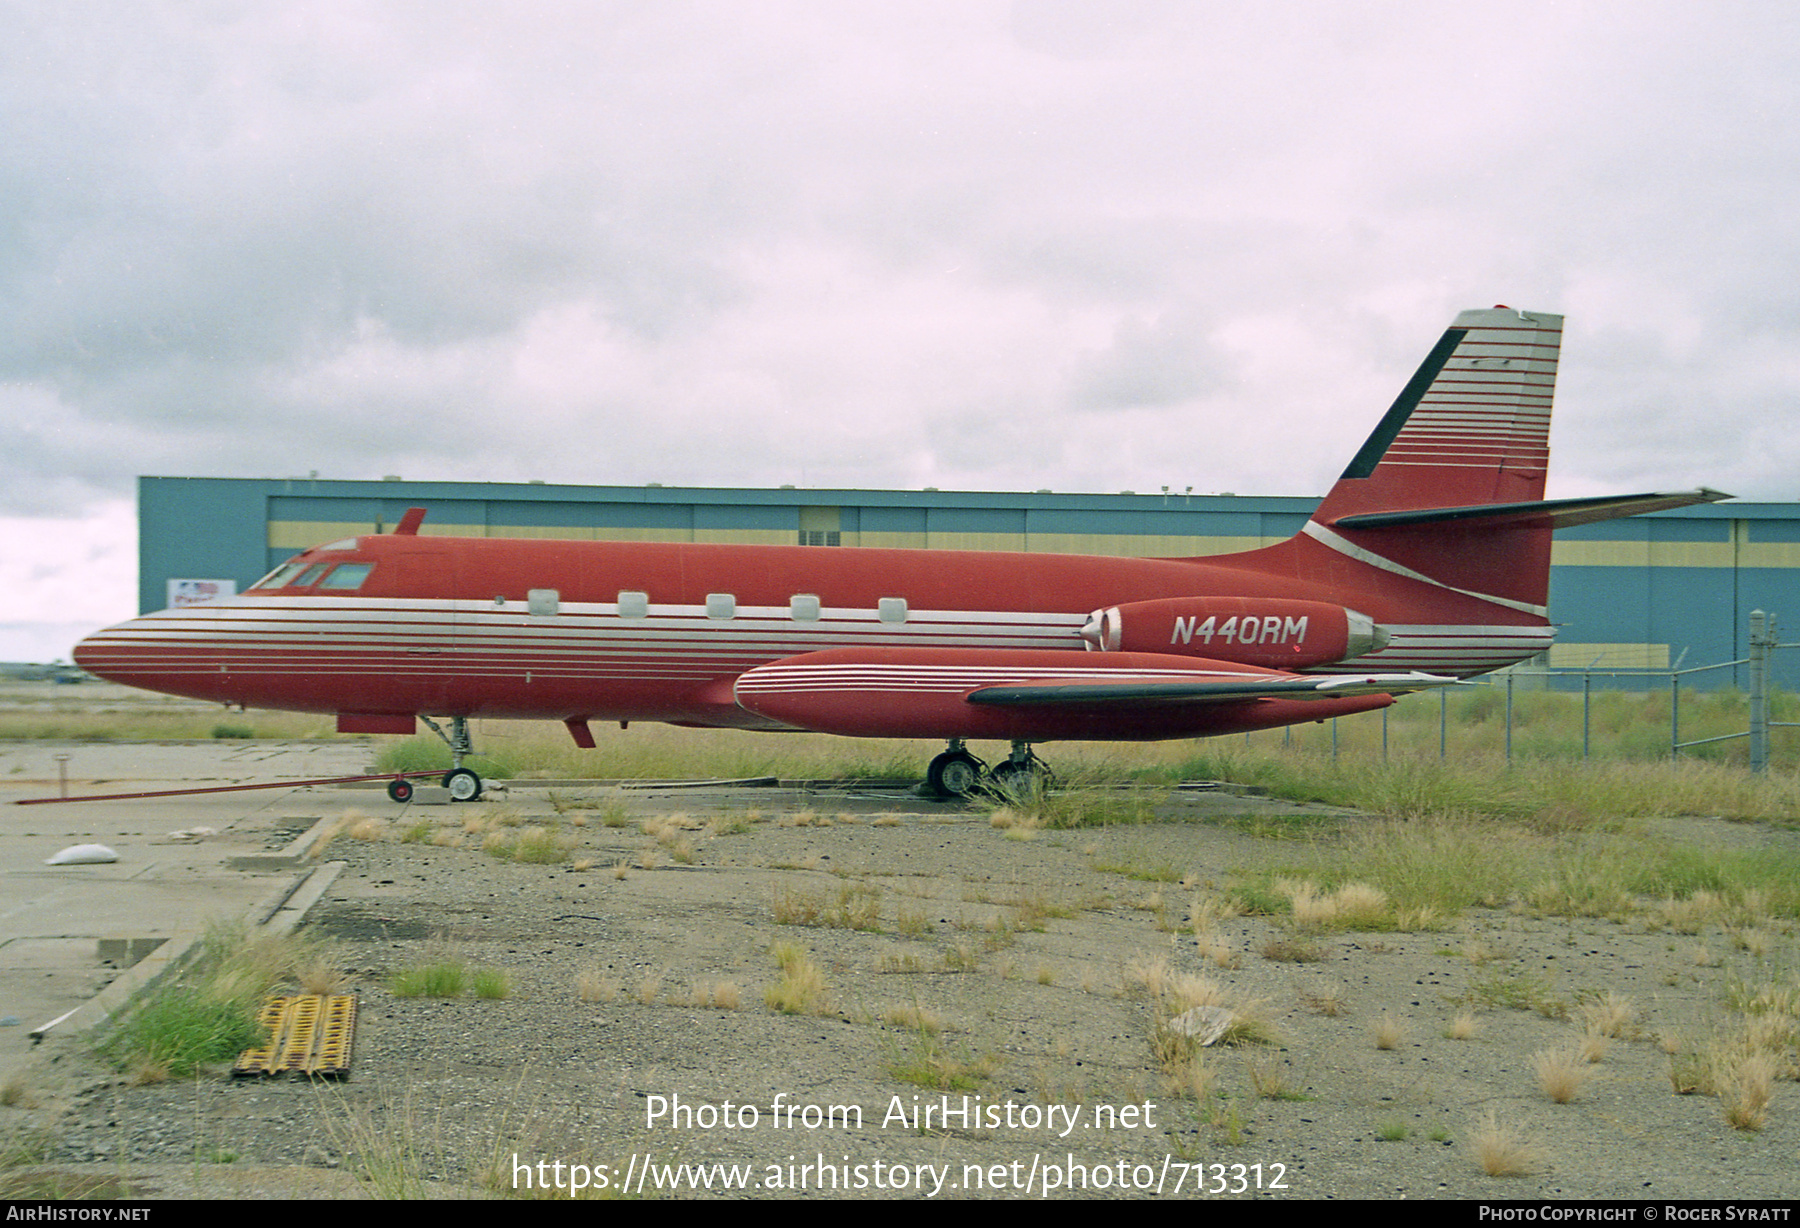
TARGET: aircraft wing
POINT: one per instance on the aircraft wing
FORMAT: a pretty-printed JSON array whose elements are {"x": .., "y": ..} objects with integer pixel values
[
  {"x": 1041, "y": 694},
  {"x": 1129, "y": 689}
]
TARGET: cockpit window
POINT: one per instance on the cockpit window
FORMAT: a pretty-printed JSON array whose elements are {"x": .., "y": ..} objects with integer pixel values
[
  {"x": 280, "y": 577},
  {"x": 346, "y": 577},
  {"x": 312, "y": 575}
]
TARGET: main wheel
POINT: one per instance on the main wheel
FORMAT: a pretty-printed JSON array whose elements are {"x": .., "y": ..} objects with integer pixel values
[
  {"x": 400, "y": 790},
  {"x": 464, "y": 785},
  {"x": 1018, "y": 781},
  {"x": 954, "y": 773}
]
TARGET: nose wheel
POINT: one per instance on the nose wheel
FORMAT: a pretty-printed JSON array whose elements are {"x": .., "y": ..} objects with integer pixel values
[{"x": 464, "y": 785}]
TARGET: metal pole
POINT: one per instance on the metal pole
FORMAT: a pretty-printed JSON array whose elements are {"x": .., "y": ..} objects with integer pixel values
[
  {"x": 1762, "y": 638},
  {"x": 1443, "y": 720},
  {"x": 1509, "y": 697},
  {"x": 1334, "y": 721},
  {"x": 1384, "y": 731},
  {"x": 1675, "y": 716},
  {"x": 1587, "y": 702}
]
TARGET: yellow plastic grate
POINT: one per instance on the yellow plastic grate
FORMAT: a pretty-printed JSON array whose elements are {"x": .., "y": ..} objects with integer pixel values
[{"x": 309, "y": 1033}]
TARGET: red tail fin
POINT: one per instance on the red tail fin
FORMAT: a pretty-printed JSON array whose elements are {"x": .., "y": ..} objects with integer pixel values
[{"x": 1471, "y": 429}]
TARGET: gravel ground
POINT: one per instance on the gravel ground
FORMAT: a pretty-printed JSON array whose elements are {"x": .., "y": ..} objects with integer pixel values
[{"x": 638, "y": 971}]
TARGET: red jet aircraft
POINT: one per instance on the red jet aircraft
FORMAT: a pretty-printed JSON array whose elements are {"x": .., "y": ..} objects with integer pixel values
[{"x": 1429, "y": 561}]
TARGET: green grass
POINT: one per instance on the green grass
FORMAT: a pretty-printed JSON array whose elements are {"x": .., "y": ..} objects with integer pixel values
[
  {"x": 446, "y": 978},
  {"x": 182, "y": 1028},
  {"x": 173, "y": 725},
  {"x": 206, "y": 1014},
  {"x": 926, "y": 1061},
  {"x": 531, "y": 846},
  {"x": 1433, "y": 869}
]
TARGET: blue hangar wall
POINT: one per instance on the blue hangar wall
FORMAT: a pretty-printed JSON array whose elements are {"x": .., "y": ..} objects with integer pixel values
[{"x": 1648, "y": 593}]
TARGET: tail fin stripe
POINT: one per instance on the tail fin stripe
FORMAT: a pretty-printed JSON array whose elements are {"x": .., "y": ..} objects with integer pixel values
[{"x": 1326, "y": 537}]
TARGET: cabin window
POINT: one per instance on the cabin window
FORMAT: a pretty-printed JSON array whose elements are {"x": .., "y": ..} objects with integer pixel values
[
  {"x": 634, "y": 605},
  {"x": 721, "y": 605},
  {"x": 348, "y": 543},
  {"x": 543, "y": 602},
  {"x": 803, "y": 608},
  {"x": 891, "y": 609},
  {"x": 347, "y": 577}
]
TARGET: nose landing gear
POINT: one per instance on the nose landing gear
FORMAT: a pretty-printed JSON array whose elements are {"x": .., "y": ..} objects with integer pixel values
[{"x": 464, "y": 783}]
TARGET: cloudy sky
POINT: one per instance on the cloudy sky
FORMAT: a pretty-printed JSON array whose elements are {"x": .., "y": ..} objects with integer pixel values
[{"x": 972, "y": 244}]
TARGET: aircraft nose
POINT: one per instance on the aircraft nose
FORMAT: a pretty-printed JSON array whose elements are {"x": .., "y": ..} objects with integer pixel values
[{"x": 98, "y": 653}]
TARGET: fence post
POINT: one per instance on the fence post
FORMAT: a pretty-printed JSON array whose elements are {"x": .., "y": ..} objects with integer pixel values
[
  {"x": 1675, "y": 715},
  {"x": 1762, "y": 638},
  {"x": 1587, "y": 699},
  {"x": 1509, "y": 710}
]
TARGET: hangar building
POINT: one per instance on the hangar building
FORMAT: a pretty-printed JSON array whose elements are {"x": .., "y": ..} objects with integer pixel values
[{"x": 1652, "y": 592}]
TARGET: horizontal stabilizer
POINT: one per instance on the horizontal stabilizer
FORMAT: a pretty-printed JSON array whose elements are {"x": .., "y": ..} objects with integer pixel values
[
  {"x": 1138, "y": 689},
  {"x": 1548, "y": 513}
]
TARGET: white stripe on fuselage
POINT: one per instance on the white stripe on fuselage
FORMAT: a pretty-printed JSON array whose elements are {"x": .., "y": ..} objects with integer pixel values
[{"x": 349, "y": 635}]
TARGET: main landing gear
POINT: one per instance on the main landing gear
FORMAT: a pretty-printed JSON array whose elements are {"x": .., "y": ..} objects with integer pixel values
[
  {"x": 957, "y": 773},
  {"x": 464, "y": 784}
]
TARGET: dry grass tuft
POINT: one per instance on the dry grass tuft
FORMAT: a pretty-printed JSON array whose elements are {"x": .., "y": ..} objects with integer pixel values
[
  {"x": 801, "y": 989},
  {"x": 1502, "y": 1150},
  {"x": 1390, "y": 1033},
  {"x": 914, "y": 1018},
  {"x": 1292, "y": 949},
  {"x": 1463, "y": 1027},
  {"x": 1150, "y": 975},
  {"x": 1351, "y": 906},
  {"x": 591, "y": 986},
  {"x": 1611, "y": 1014},
  {"x": 1185, "y": 992},
  {"x": 1746, "y": 1089},
  {"x": 1269, "y": 1081},
  {"x": 1560, "y": 1072},
  {"x": 16, "y": 1093},
  {"x": 718, "y": 995},
  {"x": 1330, "y": 1001},
  {"x": 319, "y": 976}
]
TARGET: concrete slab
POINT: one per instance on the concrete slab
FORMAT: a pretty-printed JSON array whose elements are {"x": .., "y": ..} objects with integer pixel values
[{"x": 163, "y": 891}]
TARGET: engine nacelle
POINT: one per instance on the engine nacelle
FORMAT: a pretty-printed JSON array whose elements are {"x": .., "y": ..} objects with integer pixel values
[{"x": 1273, "y": 632}]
